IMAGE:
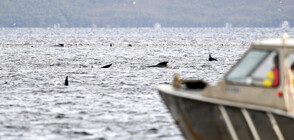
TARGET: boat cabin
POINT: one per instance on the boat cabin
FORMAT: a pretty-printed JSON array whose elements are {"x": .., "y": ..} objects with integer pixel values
[{"x": 262, "y": 77}]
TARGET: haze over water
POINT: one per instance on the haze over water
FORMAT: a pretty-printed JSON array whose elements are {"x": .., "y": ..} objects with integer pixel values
[{"x": 120, "y": 102}]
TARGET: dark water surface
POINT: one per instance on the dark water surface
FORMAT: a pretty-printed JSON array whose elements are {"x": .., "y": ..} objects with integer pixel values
[{"x": 120, "y": 102}]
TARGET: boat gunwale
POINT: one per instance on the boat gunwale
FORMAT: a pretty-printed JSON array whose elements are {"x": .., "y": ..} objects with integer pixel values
[{"x": 196, "y": 95}]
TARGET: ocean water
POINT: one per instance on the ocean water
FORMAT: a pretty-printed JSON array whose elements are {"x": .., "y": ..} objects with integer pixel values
[{"x": 117, "y": 103}]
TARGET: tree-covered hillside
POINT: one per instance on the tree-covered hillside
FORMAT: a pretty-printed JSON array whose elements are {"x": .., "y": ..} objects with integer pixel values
[{"x": 145, "y": 13}]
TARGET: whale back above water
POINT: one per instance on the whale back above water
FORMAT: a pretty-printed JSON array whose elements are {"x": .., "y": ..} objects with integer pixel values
[
  {"x": 211, "y": 58},
  {"x": 106, "y": 66},
  {"x": 161, "y": 64},
  {"x": 59, "y": 45}
]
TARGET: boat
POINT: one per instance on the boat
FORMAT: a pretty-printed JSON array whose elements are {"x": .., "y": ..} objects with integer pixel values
[{"x": 243, "y": 105}]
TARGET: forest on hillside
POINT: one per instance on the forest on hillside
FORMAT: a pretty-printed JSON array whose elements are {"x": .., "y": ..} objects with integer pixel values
[{"x": 142, "y": 13}]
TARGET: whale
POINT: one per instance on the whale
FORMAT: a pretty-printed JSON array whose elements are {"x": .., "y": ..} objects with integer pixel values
[
  {"x": 59, "y": 45},
  {"x": 66, "y": 81},
  {"x": 57, "y": 83},
  {"x": 161, "y": 64},
  {"x": 106, "y": 66},
  {"x": 211, "y": 58}
]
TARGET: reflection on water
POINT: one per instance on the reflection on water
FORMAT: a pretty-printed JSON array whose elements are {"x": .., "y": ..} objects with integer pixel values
[{"x": 120, "y": 102}]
